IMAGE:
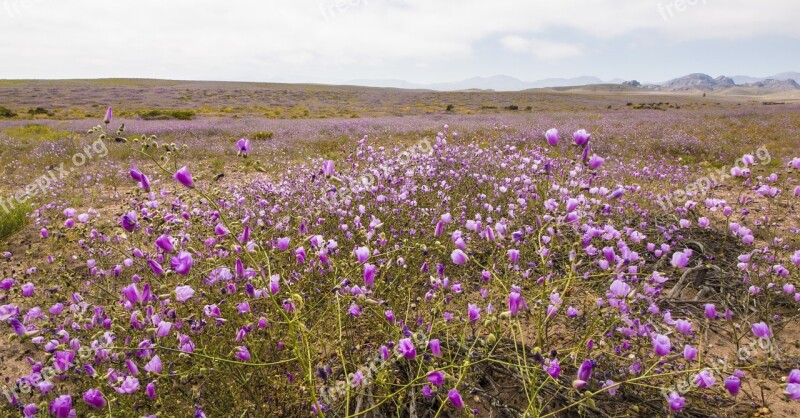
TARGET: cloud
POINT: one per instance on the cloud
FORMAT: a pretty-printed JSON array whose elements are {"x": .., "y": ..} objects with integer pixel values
[
  {"x": 264, "y": 38},
  {"x": 542, "y": 49}
]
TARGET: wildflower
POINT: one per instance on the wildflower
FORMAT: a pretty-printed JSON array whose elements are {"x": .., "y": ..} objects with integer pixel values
[
  {"x": 761, "y": 330},
  {"x": 164, "y": 242},
  {"x": 242, "y": 353},
  {"x": 183, "y": 293},
  {"x": 595, "y": 161},
  {"x": 553, "y": 369},
  {"x": 704, "y": 379},
  {"x": 61, "y": 407},
  {"x": 661, "y": 344},
  {"x": 327, "y": 168},
  {"x": 184, "y": 177},
  {"x": 689, "y": 353},
  {"x": 455, "y": 398},
  {"x": 128, "y": 386},
  {"x": 94, "y": 398},
  {"x": 369, "y": 274},
  {"x": 437, "y": 378},
  {"x": 28, "y": 289},
  {"x": 458, "y": 257},
  {"x": 680, "y": 260},
  {"x": 362, "y": 254},
  {"x": 581, "y": 137},
  {"x": 733, "y": 384},
  {"x": 405, "y": 347},
  {"x": 473, "y": 312},
  {"x": 676, "y": 401},
  {"x": 129, "y": 222},
  {"x": 154, "y": 365},
  {"x": 243, "y": 145},
  {"x": 182, "y": 263},
  {"x": 109, "y": 115},
  {"x": 620, "y": 289},
  {"x": 683, "y": 326},
  {"x": 711, "y": 311},
  {"x": 552, "y": 137},
  {"x": 435, "y": 346}
]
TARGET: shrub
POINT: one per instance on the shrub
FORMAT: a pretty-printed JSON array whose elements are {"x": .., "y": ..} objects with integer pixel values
[
  {"x": 450, "y": 108},
  {"x": 263, "y": 136},
  {"x": 6, "y": 113},
  {"x": 168, "y": 114}
]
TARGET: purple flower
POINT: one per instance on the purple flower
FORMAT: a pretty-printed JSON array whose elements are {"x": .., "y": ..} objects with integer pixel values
[
  {"x": 683, "y": 326},
  {"x": 242, "y": 353},
  {"x": 354, "y": 310},
  {"x": 129, "y": 222},
  {"x": 327, "y": 168},
  {"x": 793, "y": 391},
  {"x": 458, "y": 257},
  {"x": 661, "y": 344},
  {"x": 620, "y": 289},
  {"x": 405, "y": 347},
  {"x": 164, "y": 242},
  {"x": 711, "y": 311},
  {"x": 689, "y": 352},
  {"x": 553, "y": 369},
  {"x": 676, "y": 401},
  {"x": 761, "y": 330},
  {"x": 704, "y": 379},
  {"x": 437, "y": 378},
  {"x": 30, "y": 411},
  {"x": 128, "y": 386},
  {"x": 362, "y": 254},
  {"x": 455, "y": 398},
  {"x": 182, "y": 262},
  {"x": 552, "y": 137},
  {"x": 515, "y": 302},
  {"x": 680, "y": 260},
  {"x": 473, "y": 312},
  {"x": 155, "y": 267},
  {"x": 61, "y": 407},
  {"x": 794, "y": 376},
  {"x": 184, "y": 177},
  {"x": 28, "y": 289},
  {"x": 733, "y": 384},
  {"x": 585, "y": 371},
  {"x": 163, "y": 328},
  {"x": 435, "y": 347},
  {"x": 595, "y": 161},
  {"x": 94, "y": 398},
  {"x": 109, "y": 116},
  {"x": 183, "y": 293},
  {"x": 513, "y": 255},
  {"x": 243, "y": 146},
  {"x": 369, "y": 274},
  {"x": 150, "y": 390},
  {"x": 283, "y": 243},
  {"x": 274, "y": 284},
  {"x": 581, "y": 137},
  {"x": 154, "y": 365}
]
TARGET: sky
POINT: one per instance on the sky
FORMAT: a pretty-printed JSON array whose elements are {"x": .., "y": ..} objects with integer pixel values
[{"x": 420, "y": 41}]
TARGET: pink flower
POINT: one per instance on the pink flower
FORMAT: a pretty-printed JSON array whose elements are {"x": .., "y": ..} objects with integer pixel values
[
  {"x": 109, "y": 116},
  {"x": 680, "y": 260},
  {"x": 405, "y": 348},
  {"x": 596, "y": 161},
  {"x": 581, "y": 137},
  {"x": 362, "y": 254},
  {"x": 327, "y": 168},
  {"x": 761, "y": 330}
]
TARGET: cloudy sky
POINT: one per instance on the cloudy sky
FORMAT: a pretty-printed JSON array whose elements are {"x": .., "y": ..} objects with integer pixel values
[{"x": 422, "y": 41}]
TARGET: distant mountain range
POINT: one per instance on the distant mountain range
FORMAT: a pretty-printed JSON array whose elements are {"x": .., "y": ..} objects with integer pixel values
[
  {"x": 706, "y": 83},
  {"x": 702, "y": 82}
]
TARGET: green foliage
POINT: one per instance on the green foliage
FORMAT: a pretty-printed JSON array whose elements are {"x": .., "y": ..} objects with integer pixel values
[
  {"x": 168, "y": 114},
  {"x": 263, "y": 136},
  {"x": 14, "y": 219},
  {"x": 450, "y": 108},
  {"x": 35, "y": 131},
  {"x": 40, "y": 111},
  {"x": 6, "y": 113}
]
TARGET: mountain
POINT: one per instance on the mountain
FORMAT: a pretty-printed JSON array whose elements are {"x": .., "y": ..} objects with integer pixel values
[
  {"x": 789, "y": 75},
  {"x": 496, "y": 83},
  {"x": 706, "y": 83}
]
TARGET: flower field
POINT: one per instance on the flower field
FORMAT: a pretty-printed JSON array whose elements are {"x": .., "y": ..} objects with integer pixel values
[{"x": 566, "y": 263}]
